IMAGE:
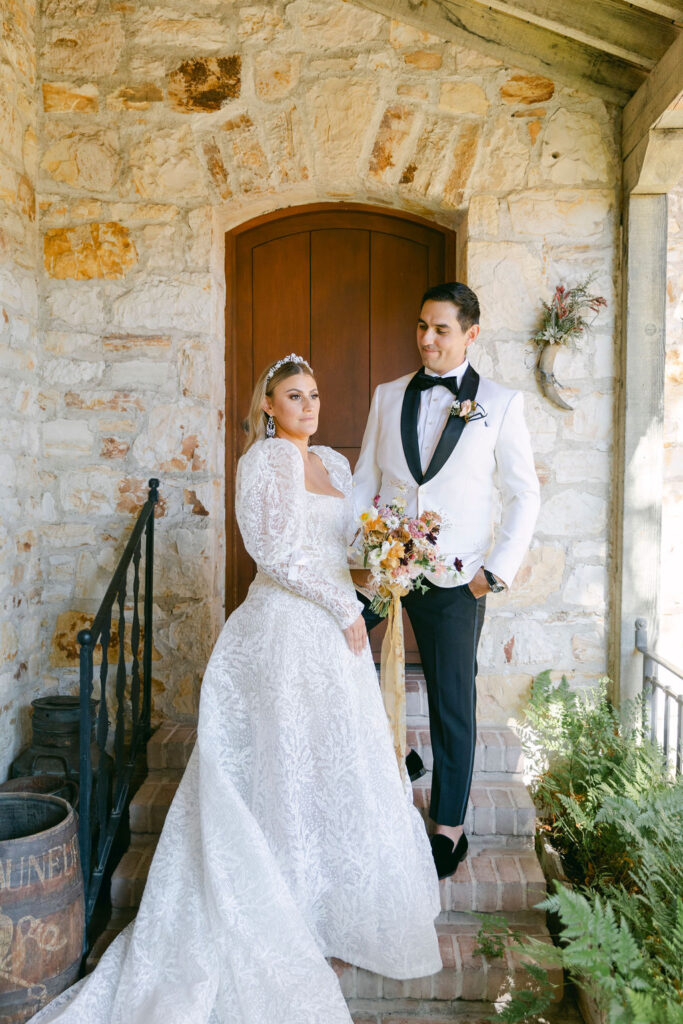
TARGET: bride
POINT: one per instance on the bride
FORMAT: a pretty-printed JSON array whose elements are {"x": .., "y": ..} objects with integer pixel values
[{"x": 291, "y": 837}]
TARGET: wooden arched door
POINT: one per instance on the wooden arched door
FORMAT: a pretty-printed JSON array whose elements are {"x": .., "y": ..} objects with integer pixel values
[{"x": 340, "y": 284}]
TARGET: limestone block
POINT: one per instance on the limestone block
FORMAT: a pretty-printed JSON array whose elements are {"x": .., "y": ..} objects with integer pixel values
[
  {"x": 66, "y": 438},
  {"x": 590, "y": 646},
  {"x": 502, "y": 697},
  {"x": 574, "y": 150},
  {"x": 135, "y": 97},
  {"x": 586, "y": 587},
  {"x": 205, "y": 83},
  {"x": 135, "y": 213},
  {"x": 523, "y": 640},
  {"x": 402, "y": 35},
  {"x": 215, "y": 165},
  {"x": 176, "y": 439},
  {"x": 88, "y": 251},
  {"x": 77, "y": 306},
  {"x": 463, "y": 98},
  {"x": 464, "y": 156},
  {"x": 161, "y": 246},
  {"x": 11, "y": 129},
  {"x": 275, "y": 74},
  {"x": 74, "y": 371},
  {"x": 239, "y": 141},
  {"x": 200, "y": 221},
  {"x": 94, "y": 50},
  {"x": 592, "y": 419},
  {"x": 89, "y": 492},
  {"x": 9, "y": 643},
  {"x": 160, "y": 26},
  {"x": 394, "y": 130},
  {"x": 165, "y": 165},
  {"x": 68, "y": 8},
  {"x": 65, "y": 649},
  {"x": 68, "y": 535},
  {"x": 287, "y": 143},
  {"x": 146, "y": 374},
  {"x": 113, "y": 448},
  {"x": 195, "y": 371},
  {"x": 417, "y": 92},
  {"x": 574, "y": 465},
  {"x": 509, "y": 280},
  {"x": 508, "y": 169},
  {"x": 86, "y": 158},
  {"x": 483, "y": 217},
  {"x": 63, "y": 97},
  {"x": 137, "y": 344},
  {"x": 572, "y": 513},
  {"x": 259, "y": 24},
  {"x": 527, "y": 89},
  {"x": 428, "y": 164},
  {"x": 425, "y": 60},
  {"x": 159, "y": 304},
  {"x": 342, "y": 109},
  {"x": 569, "y": 215},
  {"x": 332, "y": 24},
  {"x": 538, "y": 579},
  {"x": 97, "y": 401}
]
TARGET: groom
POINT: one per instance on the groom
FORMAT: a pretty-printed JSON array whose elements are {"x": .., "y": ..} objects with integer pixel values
[{"x": 419, "y": 441}]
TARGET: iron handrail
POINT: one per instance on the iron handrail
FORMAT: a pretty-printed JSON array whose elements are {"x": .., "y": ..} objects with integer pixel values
[
  {"x": 651, "y": 686},
  {"x": 101, "y": 812}
]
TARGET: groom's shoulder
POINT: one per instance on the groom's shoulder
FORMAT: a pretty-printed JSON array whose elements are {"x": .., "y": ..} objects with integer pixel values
[
  {"x": 391, "y": 387},
  {"x": 495, "y": 392}
]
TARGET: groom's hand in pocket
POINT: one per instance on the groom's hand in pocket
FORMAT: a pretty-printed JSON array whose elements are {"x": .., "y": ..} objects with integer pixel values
[{"x": 479, "y": 584}]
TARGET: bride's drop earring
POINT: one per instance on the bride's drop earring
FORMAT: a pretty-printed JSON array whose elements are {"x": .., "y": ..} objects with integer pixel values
[{"x": 270, "y": 427}]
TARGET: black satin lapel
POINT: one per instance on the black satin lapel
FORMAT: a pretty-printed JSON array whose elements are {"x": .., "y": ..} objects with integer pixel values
[
  {"x": 454, "y": 426},
  {"x": 411, "y": 450}
]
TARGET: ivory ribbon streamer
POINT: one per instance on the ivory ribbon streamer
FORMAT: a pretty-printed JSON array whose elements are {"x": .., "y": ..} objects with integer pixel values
[{"x": 392, "y": 677}]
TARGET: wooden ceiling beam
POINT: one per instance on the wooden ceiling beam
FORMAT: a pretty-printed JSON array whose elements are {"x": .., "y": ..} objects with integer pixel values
[
  {"x": 518, "y": 43},
  {"x": 637, "y": 37},
  {"x": 655, "y": 95},
  {"x": 670, "y": 9}
]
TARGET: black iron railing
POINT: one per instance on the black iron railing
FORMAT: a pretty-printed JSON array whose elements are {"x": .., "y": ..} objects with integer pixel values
[
  {"x": 105, "y": 784},
  {"x": 662, "y": 700}
]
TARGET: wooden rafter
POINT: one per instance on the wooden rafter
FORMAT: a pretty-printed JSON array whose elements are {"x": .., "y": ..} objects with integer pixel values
[
  {"x": 652, "y": 99},
  {"x": 518, "y": 42},
  {"x": 635, "y": 36}
]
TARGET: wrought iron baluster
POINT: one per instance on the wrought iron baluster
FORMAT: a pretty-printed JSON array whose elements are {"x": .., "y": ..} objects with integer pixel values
[
  {"x": 148, "y": 613},
  {"x": 120, "y": 732},
  {"x": 665, "y": 739},
  {"x": 85, "y": 766},
  {"x": 103, "y": 781},
  {"x": 135, "y": 647},
  {"x": 679, "y": 739}
]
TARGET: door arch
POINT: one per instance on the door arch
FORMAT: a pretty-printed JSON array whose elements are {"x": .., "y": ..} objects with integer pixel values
[{"x": 340, "y": 284}]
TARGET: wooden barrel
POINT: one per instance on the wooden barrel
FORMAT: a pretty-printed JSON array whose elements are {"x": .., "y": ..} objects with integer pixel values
[{"x": 42, "y": 909}]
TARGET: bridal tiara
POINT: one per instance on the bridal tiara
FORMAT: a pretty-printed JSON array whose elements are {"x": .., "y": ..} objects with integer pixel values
[{"x": 291, "y": 358}]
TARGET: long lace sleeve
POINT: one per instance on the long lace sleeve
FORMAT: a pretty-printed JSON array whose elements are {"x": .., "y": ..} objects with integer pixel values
[{"x": 270, "y": 510}]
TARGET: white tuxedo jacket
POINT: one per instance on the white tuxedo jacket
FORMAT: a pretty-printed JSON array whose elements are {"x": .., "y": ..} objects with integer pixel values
[{"x": 459, "y": 483}]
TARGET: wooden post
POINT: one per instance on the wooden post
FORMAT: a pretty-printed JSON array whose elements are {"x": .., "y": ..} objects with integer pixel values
[{"x": 641, "y": 419}]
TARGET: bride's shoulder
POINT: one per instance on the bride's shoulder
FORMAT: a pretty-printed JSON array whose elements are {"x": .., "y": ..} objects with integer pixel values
[
  {"x": 331, "y": 458},
  {"x": 271, "y": 453}
]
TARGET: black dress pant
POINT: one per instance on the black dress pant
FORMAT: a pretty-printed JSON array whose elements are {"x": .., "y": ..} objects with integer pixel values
[{"x": 447, "y": 623}]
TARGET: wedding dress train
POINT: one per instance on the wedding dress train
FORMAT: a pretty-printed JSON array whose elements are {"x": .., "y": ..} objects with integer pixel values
[{"x": 291, "y": 837}]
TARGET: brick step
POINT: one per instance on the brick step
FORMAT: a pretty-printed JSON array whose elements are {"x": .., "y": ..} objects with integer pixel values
[
  {"x": 498, "y": 747},
  {"x": 464, "y": 975},
  {"x": 130, "y": 875},
  {"x": 117, "y": 922},
  {"x": 500, "y": 813}
]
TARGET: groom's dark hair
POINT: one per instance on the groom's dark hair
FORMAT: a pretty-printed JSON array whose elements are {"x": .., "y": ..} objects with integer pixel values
[{"x": 462, "y": 297}]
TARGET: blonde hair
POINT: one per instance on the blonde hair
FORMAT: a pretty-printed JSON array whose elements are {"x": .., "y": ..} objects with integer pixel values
[{"x": 255, "y": 423}]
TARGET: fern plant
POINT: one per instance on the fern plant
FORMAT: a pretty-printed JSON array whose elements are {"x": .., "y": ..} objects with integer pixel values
[{"x": 610, "y": 808}]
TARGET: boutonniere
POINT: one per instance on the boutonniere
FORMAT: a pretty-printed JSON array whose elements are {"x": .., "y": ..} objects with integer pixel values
[{"x": 468, "y": 410}]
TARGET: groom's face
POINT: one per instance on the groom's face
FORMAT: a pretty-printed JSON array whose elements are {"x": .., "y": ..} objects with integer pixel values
[{"x": 441, "y": 340}]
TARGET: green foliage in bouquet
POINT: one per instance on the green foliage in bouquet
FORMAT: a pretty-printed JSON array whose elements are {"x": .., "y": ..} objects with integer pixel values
[
  {"x": 608, "y": 805},
  {"x": 565, "y": 317}
]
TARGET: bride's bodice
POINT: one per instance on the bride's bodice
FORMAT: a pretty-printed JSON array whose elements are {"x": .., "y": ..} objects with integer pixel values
[{"x": 324, "y": 541}]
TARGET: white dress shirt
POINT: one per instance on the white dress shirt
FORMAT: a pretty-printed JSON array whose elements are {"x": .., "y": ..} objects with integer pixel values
[{"x": 435, "y": 405}]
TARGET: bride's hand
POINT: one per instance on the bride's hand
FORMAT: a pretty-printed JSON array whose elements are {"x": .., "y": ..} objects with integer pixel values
[{"x": 356, "y": 635}]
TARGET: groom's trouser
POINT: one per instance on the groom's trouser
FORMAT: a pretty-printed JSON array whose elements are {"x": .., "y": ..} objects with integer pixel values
[{"x": 447, "y": 624}]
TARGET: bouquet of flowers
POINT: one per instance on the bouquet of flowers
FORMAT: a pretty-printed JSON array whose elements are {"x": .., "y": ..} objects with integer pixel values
[
  {"x": 399, "y": 550},
  {"x": 566, "y": 315}
]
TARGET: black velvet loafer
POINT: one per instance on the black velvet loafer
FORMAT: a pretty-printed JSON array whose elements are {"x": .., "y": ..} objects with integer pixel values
[
  {"x": 414, "y": 765},
  {"x": 447, "y": 854}
]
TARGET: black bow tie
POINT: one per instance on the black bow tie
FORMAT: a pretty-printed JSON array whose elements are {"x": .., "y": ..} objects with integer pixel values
[{"x": 422, "y": 382}]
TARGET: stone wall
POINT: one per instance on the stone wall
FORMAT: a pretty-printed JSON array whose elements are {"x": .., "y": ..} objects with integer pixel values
[
  {"x": 162, "y": 128},
  {"x": 21, "y": 627},
  {"x": 672, "y": 510}
]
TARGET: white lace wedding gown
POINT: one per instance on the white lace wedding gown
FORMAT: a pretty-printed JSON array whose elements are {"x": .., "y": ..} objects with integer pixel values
[{"x": 291, "y": 837}]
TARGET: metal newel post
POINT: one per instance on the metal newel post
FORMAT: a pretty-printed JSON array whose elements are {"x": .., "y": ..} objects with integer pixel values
[{"x": 85, "y": 764}]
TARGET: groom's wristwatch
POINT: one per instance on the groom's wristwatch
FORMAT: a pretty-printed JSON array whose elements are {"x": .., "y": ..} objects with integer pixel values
[{"x": 495, "y": 585}]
